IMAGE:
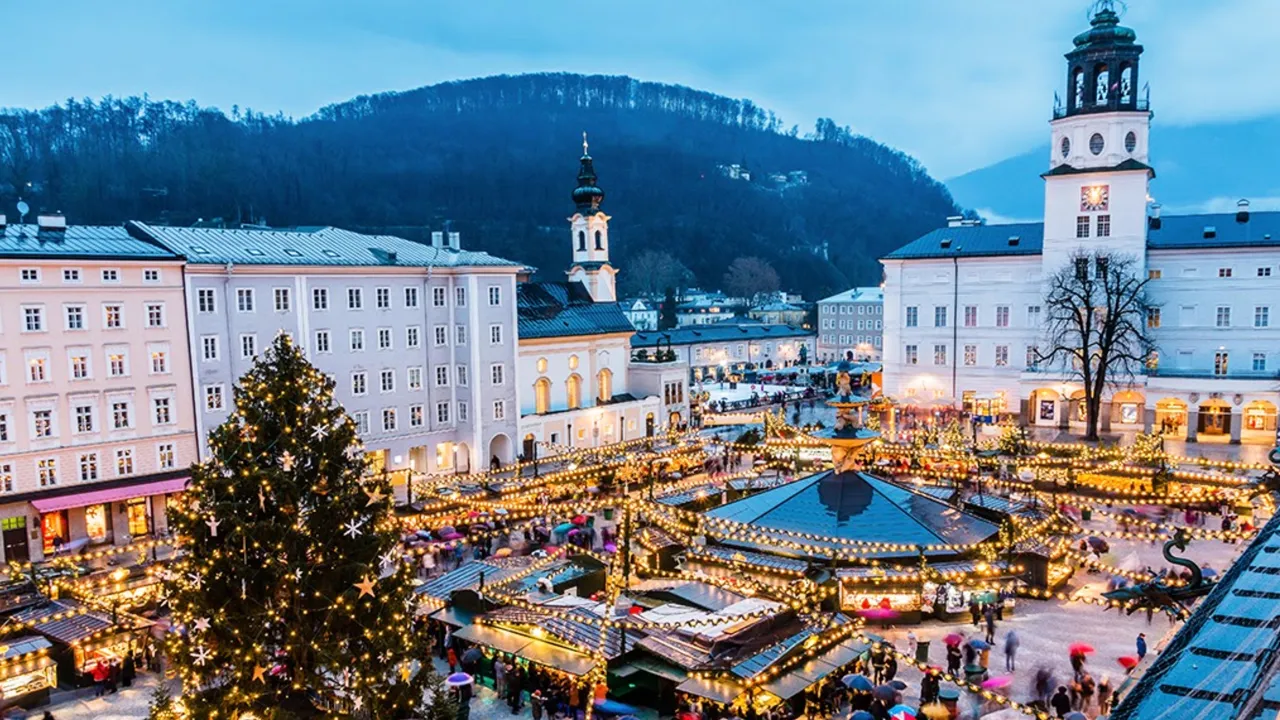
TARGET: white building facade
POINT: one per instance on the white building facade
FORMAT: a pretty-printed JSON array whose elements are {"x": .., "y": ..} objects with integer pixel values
[
  {"x": 575, "y": 347},
  {"x": 963, "y": 305},
  {"x": 851, "y": 325}
]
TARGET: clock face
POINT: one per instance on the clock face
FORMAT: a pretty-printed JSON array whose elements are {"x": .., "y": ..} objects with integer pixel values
[{"x": 1094, "y": 198}]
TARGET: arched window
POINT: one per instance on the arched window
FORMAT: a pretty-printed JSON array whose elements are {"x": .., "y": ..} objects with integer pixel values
[
  {"x": 542, "y": 396},
  {"x": 574, "y": 387},
  {"x": 604, "y": 380},
  {"x": 582, "y": 239},
  {"x": 1101, "y": 83},
  {"x": 1077, "y": 87},
  {"x": 599, "y": 240},
  {"x": 573, "y": 362},
  {"x": 542, "y": 365},
  {"x": 1126, "y": 84}
]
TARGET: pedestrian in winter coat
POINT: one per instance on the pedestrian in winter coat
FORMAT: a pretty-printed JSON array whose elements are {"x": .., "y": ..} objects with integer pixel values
[
  {"x": 975, "y": 612},
  {"x": 1011, "y": 643},
  {"x": 929, "y": 688},
  {"x": 1142, "y": 645},
  {"x": 453, "y": 661},
  {"x": 500, "y": 678},
  {"x": 536, "y": 703},
  {"x": 953, "y": 660},
  {"x": 1104, "y": 696},
  {"x": 1061, "y": 702},
  {"x": 990, "y": 616}
]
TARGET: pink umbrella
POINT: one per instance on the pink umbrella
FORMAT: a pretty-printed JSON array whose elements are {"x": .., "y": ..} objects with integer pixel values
[
  {"x": 997, "y": 682},
  {"x": 953, "y": 639},
  {"x": 878, "y": 613}
]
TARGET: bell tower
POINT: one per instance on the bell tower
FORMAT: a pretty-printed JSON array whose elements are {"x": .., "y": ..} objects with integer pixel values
[
  {"x": 589, "y": 233},
  {"x": 1096, "y": 189}
]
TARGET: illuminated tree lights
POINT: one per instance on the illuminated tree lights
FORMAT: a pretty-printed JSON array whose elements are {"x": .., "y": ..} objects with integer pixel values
[{"x": 280, "y": 593}]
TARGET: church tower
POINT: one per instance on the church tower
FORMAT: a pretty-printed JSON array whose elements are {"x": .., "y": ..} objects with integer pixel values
[
  {"x": 589, "y": 233},
  {"x": 1096, "y": 190}
]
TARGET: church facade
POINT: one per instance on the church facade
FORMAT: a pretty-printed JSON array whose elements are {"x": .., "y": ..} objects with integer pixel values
[
  {"x": 964, "y": 307},
  {"x": 577, "y": 389}
]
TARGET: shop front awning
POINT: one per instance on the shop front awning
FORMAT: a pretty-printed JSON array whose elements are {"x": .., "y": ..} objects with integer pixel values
[
  {"x": 826, "y": 663},
  {"x": 721, "y": 691},
  {"x": 531, "y": 649},
  {"x": 99, "y": 497}
]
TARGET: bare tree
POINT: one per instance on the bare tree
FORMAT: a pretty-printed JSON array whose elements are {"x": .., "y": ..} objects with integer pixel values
[
  {"x": 1096, "y": 324},
  {"x": 653, "y": 271},
  {"x": 750, "y": 276}
]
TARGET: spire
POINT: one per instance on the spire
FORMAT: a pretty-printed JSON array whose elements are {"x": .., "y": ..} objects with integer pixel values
[{"x": 587, "y": 196}]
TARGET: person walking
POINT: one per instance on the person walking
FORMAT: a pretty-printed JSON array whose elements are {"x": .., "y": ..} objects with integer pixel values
[
  {"x": 514, "y": 689},
  {"x": 536, "y": 703},
  {"x": 1011, "y": 644},
  {"x": 1061, "y": 702},
  {"x": 1104, "y": 696},
  {"x": 989, "y": 614},
  {"x": 500, "y": 677},
  {"x": 453, "y": 660},
  {"x": 1087, "y": 691},
  {"x": 1142, "y": 646},
  {"x": 953, "y": 660}
]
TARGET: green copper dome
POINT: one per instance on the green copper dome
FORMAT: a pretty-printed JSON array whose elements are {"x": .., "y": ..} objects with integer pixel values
[{"x": 1105, "y": 30}]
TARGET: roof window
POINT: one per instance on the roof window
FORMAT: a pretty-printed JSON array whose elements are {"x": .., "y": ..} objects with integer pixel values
[
  {"x": 199, "y": 250},
  {"x": 292, "y": 253},
  {"x": 255, "y": 252},
  {"x": 330, "y": 253},
  {"x": 1014, "y": 240},
  {"x": 1210, "y": 231},
  {"x": 946, "y": 244}
]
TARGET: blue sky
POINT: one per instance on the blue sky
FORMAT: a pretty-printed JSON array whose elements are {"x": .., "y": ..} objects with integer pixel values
[{"x": 958, "y": 84}]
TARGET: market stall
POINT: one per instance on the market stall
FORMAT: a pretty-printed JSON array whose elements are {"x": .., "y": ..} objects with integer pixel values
[
  {"x": 27, "y": 671},
  {"x": 82, "y": 638}
]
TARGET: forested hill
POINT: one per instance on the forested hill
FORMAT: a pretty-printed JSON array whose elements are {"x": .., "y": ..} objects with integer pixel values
[{"x": 498, "y": 158}]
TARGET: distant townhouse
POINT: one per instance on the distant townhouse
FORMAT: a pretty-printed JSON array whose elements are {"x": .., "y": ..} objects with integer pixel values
[
  {"x": 642, "y": 313},
  {"x": 419, "y": 339},
  {"x": 851, "y": 325},
  {"x": 706, "y": 310},
  {"x": 709, "y": 353},
  {"x": 97, "y": 425},
  {"x": 575, "y": 349},
  {"x": 778, "y": 312}
]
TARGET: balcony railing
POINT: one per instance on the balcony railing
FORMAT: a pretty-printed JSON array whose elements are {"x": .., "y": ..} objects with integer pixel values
[{"x": 1230, "y": 375}]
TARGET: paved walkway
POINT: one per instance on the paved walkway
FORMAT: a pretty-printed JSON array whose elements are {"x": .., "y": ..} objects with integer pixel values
[{"x": 129, "y": 703}]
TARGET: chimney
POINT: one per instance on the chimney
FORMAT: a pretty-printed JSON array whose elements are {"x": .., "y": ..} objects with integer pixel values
[
  {"x": 3, "y": 223},
  {"x": 391, "y": 257},
  {"x": 1153, "y": 222},
  {"x": 955, "y": 220},
  {"x": 455, "y": 241},
  {"x": 51, "y": 223},
  {"x": 1242, "y": 211},
  {"x": 437, "y": 239}
]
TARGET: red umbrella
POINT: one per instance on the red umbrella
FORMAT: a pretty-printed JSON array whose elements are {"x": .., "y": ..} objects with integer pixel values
[
  {"x": 1128, "y": 662},
  {"x": 997, "y": 682},
  {"x": 953, "y": 639},
  {"x": 1080, "y": 649},
  {"x": 579, "y": 520}
]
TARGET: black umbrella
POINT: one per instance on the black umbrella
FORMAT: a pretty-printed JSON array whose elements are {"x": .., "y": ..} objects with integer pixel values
[
  {"x": 897, "y": 685},
  {"x": 886, "y": 693},
  {"x": 1098, "y": 544},
  {"x": 472, "y": 657}
]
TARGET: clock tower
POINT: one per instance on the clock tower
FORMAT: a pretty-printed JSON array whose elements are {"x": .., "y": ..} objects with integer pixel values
[{"x": 1096, "y": 189}]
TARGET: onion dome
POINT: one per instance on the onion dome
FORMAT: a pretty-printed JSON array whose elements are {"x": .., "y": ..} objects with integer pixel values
[
  {"x": 587, "y": 196},
  {"x": 1105, "y": 30}
]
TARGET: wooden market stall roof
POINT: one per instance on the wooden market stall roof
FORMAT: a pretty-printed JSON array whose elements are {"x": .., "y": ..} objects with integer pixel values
[{"x": 531, "y": 649}]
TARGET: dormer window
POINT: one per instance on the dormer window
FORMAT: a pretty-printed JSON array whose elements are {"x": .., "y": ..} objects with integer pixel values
[{"x": 946, "y": 244}]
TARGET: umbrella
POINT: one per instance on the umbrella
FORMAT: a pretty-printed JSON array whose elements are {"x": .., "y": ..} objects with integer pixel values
[
  {"x": 953, "y": 639},
  {"x": 579, "y": 520},
  {"x": 902, "y": 712},
  {"x": 859, "y": 683},
  {"x": 446, "y": 530},
  {"x": 1077, "y": 715},
  {"x": 575, "y": 532},
  {"x": 550, "y": 549},
  {"x": 862, "y": 715},
  {"x": 501, "y": 511},
  {"x": 503, "y": 552},
  {"x": 452, "y": 536},
  {"x": 563, "y": 527},
  {"x": 1080, "y": 649},
  {"x": 1097, "y": 544},
  {"x": 997, "y": 682},
  {"x": 979, "y": 644},
  {"x": 610, "y": 548},
  {"x": 458, "y": 679},
  {"x": 424, "y": 534},
  {"x": 613, "y": 707},
  {"x": 935, "y": 711},
  {"x": 898, "y": 684},
  {"x": 878, "y": 613},
  {"x": 1208, "y": 572},
  {"x": 1128, "y": 662},
  {"x": 886, "y": 693},
  {"x": 472, "y": 656}
]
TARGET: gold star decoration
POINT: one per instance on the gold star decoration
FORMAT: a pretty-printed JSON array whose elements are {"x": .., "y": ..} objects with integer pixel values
[
  {"x": 375, "y": 496},
  {"x": 366, "y": 587},
  {"x": 259, "y": 673}
]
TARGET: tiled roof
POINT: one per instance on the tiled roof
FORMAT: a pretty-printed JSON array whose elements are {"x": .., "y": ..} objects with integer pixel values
[
  {"x": 572, "y": 627},
  {"x": 78, "y": 242},
  {"x": 1129, "y": 164},
  {"x": 974, "y": 241},
  {"x": 1225, "y": 654},
  {"x": 468, "y": 576},
  {"x": 858, "y": 294},
  {"x": 68, "y": 629},
  {"x": 1176, "y": 232},
  {"x": 857, "y": 506},
  {"x": 565, "y": 309},
  {"x": 1188, "y": 231},
  {"x": 716, "y": 333},
  {"x": 311, "y": 246}
]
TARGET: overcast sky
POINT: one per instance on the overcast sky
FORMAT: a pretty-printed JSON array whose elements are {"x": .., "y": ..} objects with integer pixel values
[{"x": 958, "y": 84}]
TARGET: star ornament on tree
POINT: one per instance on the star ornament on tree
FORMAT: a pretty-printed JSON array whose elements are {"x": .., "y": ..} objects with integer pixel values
[
  {"x": 200, "y": 655},
  {"x": 259, "y": 673},
  {"x": 319, "y": 432},
  {"x": 352, "y": 529},
  {"x": 201, "y": 624},
  {"x": 366, "y": 587},
  {"x": 375, "y": 496},
  {"x": 388, "y": 558}
]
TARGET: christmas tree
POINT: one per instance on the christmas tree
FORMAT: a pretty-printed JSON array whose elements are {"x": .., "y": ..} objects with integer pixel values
[{"x": 291, "y": 595}]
